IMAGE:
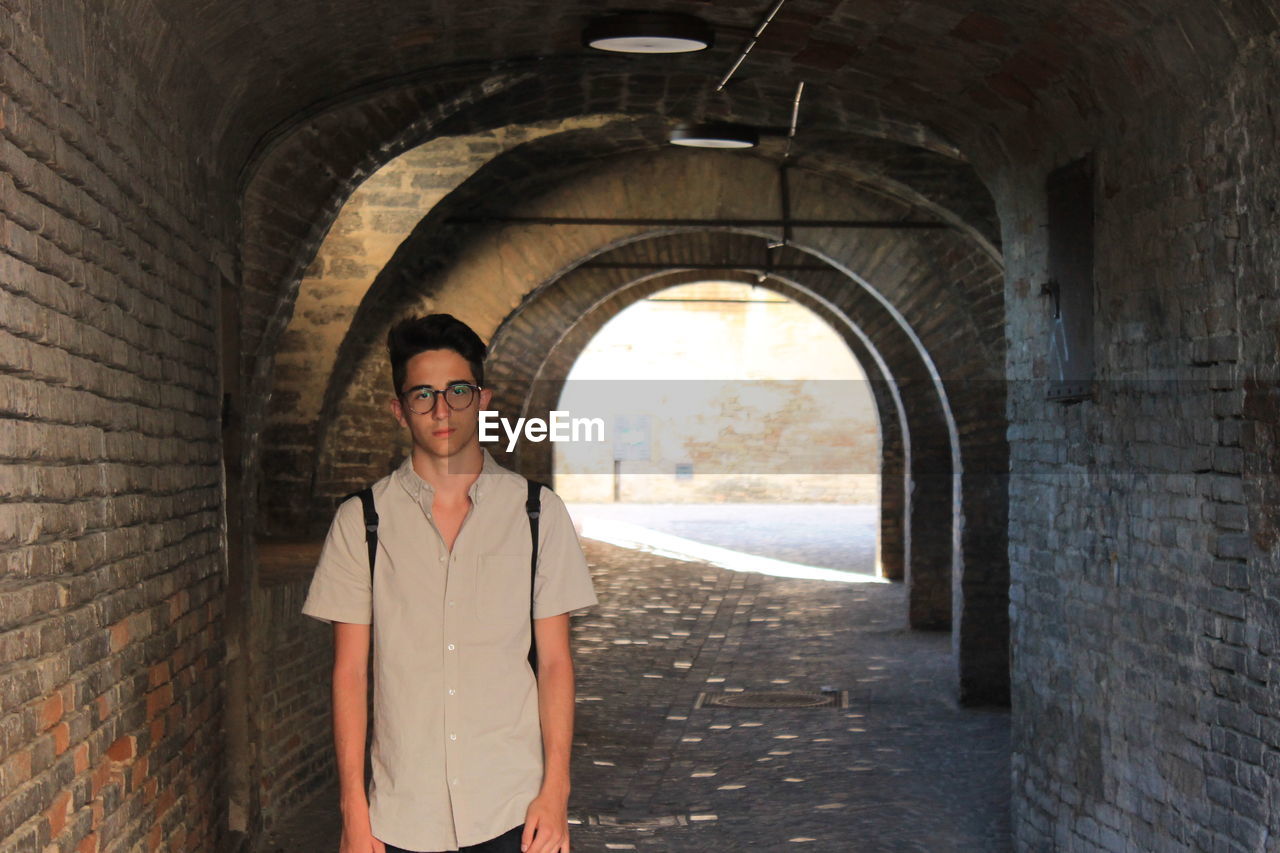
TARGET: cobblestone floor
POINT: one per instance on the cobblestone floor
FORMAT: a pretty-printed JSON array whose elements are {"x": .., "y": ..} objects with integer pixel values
[{"x": 901, "y": 768}]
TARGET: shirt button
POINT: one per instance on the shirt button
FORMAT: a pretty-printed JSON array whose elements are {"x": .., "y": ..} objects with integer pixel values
[
  {"x": 451, "y": 603},
  {"x": 453, "y": 737},
  {"x": 442, "y": 558},
  {"x": 452, "y": 691},
  {"x": 455, "y": 781},
  {"x": 451, "y": 647}
]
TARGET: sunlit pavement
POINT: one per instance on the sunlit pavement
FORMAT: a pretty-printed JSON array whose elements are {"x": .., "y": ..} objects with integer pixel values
[
  {"x": 831, "y": 536},
  {"x": 901, "y": 768}
]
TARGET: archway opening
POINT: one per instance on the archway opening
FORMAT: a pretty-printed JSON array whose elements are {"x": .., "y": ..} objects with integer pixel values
[{"x": 725, "y": 411}]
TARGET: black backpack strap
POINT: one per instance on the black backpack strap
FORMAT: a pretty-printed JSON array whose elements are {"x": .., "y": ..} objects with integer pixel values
[
  {"x": 370, "y": 524},
  {"x": 533, "y": 508}
]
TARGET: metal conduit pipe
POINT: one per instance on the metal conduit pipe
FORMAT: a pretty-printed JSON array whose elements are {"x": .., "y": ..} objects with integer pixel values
[
  {"x": 750, "y": 44},
  {"x": 795, "y": 117}
]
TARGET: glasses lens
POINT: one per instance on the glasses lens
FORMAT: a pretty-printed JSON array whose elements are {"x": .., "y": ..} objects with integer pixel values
[
  {"x": 459, "y": 396},
  {"x": 421, "y": 400}
]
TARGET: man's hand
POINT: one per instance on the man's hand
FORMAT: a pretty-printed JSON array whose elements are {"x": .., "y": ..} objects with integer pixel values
[
  {"x": 546, "y": 825},
  {"x": 357, "y": 833}
]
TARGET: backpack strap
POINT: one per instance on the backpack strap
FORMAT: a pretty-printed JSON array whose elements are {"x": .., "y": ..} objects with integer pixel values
[
  {"x": 533, "y": 508},
  {"x": 370, "y": 523}
]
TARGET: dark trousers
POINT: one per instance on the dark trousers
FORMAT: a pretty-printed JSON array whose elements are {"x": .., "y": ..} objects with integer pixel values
[{"x": 507, "y": 842}]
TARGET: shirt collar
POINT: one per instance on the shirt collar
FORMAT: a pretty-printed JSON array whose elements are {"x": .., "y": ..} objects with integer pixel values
[{"x": 423, "y": 492}]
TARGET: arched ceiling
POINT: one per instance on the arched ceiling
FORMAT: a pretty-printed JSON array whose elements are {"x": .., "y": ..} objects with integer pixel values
[
  {"x": 528, "y": 179},
  {"x": 930, "y": 186},
  {"x": 945, "y": 67},
  {"x": 935, "y": 276}
]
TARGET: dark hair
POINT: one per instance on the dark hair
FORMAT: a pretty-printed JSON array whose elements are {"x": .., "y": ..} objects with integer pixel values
[{"x": 434, "y": 331}]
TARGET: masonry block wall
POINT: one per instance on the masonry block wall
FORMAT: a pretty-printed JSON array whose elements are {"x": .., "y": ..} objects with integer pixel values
[
  {"x": 110, "y": 494},
  {"x": 372, "y": 223},
  {"x": 293, "y": 701},
  {"x": 1142, "y": 535}
]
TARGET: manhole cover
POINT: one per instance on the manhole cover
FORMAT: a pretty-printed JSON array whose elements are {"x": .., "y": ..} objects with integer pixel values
[
  {"x": 647, "y": 822},
  {"x": 773, "y": 699}
]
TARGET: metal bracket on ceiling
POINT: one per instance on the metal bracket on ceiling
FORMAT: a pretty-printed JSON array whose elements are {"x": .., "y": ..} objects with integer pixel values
[{"x": 784, "y": 189}]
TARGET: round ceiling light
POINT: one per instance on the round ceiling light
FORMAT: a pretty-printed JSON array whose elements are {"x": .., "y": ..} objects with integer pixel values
[
  {"x": 648, "y": 32},
  {"x": 714, "y": 135}
]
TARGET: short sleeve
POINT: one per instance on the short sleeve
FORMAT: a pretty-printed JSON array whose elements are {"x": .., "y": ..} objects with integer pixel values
[
  {"x": 563, "y": 579},
  {"x": 342, "y": 586}
]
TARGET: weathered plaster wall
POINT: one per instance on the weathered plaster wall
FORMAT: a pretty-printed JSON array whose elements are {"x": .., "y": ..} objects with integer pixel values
[{"x": 752, "y": 391}]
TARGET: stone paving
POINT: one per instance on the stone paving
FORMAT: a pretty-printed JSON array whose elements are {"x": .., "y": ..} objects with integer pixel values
[{"x": 901, "y": 768}]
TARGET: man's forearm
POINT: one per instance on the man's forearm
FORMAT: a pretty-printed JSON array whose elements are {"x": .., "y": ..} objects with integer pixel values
[
  {"x": 555, "y": 708},
  {"x": 350, "y": 721}
]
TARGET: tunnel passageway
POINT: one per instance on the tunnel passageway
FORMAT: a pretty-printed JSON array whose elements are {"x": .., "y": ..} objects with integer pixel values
[
  {"x": 1048, "y": 232},
  {"x": 899, "y": 768}
]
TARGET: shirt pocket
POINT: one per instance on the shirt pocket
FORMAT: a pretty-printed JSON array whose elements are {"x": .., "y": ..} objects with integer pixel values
[{"x": 500, "y": 608}]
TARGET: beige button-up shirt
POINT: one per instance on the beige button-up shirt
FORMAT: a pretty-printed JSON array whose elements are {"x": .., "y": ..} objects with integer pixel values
[{"x": 457, "y": 748}]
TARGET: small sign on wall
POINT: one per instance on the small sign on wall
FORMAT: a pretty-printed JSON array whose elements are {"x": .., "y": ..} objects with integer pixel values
[{"x": 631, "y": 438}]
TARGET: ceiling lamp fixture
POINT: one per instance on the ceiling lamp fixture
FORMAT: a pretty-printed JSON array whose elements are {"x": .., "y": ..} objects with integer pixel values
[
  {"x": 649, "y": 32},
  {"x": 718, "y": 134}
]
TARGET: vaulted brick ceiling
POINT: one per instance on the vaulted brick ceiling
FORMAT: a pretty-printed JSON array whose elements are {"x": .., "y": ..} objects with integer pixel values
[{"x": 935, "y": 70}]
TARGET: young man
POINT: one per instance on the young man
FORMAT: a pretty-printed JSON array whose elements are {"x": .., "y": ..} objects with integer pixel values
[{"x": 469, "y": 750}]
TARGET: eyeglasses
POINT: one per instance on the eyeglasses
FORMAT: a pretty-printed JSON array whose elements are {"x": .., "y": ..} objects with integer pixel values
[{"x": 422, "y": 399}]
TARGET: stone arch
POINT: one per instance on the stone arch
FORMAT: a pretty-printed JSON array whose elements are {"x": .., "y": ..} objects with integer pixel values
[
  {"x": 306, "y": 353},
  {"x": 298, "y": 182},
  {"x": 940, "y": 573},
  {"x": 972, "y": 299},
  {"x": 509, "y": 369},
  {"x": 433, "y": 244}
]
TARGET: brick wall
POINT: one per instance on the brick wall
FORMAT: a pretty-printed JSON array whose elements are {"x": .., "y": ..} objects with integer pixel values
[
  {"x": 372, "y": 223},
  {"x": 292, "y": 702},
  {"x": 1143, "y": 564},
  {"x": 110, "y": 598}
]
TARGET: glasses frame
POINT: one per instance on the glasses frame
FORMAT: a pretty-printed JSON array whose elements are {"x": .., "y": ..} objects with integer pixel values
[{"x": 475, "y": 395}]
